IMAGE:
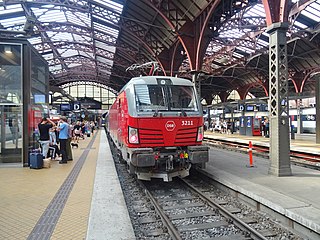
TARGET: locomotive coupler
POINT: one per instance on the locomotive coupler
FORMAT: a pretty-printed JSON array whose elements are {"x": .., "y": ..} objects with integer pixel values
[{"x": 169, "y": 163}]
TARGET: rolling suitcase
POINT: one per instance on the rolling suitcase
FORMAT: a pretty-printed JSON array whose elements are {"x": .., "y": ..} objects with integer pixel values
[{"x": 36, "y": 160}]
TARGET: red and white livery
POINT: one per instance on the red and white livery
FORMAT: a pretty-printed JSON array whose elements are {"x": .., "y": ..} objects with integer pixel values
[{"x": 156, "y": 123}]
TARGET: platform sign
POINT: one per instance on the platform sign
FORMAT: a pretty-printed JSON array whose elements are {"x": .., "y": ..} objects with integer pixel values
[
  {"x": 242, "y": 122},
  {"x": 241, "y": 107},
  {"x": 77, "y": 106},
  {"x": 249, "y": 108},
  {"x": 308, "y": 117},
  {"x": 249, "y": 122}
]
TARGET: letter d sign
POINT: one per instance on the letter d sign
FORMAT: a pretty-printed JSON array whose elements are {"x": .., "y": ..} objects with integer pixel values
[{"x": 76, "y": 106}]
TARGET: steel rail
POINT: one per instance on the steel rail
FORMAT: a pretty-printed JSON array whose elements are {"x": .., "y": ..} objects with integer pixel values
[
  {"x": 238, "y": 222},
  {"x": 174, "y": 233}
]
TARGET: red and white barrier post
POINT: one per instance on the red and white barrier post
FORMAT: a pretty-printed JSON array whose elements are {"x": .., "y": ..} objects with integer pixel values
[{"x": 250, "y": 154}]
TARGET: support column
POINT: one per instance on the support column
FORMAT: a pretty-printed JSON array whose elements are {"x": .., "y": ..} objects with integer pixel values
[
  {"x": 318, "y": 108},
  {"x": 279, "y": 108},
  {"x": 209, "y": 117},
  {"x": 299, "y": 122},
  {"x": 196, "y": 83}
]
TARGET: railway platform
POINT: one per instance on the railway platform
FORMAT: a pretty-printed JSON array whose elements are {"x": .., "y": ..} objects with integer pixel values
[
  {"x": 304, "y": 143},
  {"x": 296, "y": 197},
  {"x": 79, "y": 200}
]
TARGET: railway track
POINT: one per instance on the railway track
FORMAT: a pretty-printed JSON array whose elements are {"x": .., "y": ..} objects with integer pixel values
[
  {"x": 192, "y": 209},
  {"x": 185, "y": 209},
  {"x": 302, "y": 159}
]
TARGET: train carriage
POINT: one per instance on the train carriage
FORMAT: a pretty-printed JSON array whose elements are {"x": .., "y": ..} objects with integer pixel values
[{"x": 157, "y": 124}]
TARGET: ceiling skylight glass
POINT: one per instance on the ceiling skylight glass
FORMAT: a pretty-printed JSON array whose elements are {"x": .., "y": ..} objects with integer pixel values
[
  {"x": 300, "y": 25},
  {"x": 310, "y": 15}
]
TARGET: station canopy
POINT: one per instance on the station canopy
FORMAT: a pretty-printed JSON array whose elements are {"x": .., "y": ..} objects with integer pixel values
[{"x": 111, "y": 41}]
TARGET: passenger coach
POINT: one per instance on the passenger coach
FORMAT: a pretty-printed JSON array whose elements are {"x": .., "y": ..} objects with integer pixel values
[{"x": 157, "y": 125}]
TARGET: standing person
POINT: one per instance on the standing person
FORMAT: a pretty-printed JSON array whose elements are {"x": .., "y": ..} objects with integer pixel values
[
  {"x": 228, "y": 127},
  {"x": 63, "y": 138},
  {"x": 92, "y": 126},
  {"x": 267, "y": 128},
  {"x": 263, "y": 127},
  {"x": 44, "y": 127},
  {"x": 70, "y": 135},
  {"x": 53, "y": 143},
  {"x": 83, "y": 130},
  {"x": 77, "y": 132},
  {"x": 14, "y": 128}
]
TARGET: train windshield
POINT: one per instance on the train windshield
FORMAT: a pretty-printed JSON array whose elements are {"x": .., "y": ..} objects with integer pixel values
[{"x": 165, "y": 98}]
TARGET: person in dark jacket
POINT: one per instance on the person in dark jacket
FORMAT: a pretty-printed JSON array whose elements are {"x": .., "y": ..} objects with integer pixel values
[{"x": 44, "y": 127}]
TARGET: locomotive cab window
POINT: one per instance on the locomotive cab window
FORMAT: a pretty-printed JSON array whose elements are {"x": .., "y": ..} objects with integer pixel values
[
  {"x": 182, "y": 98},
  {"x": 165, "y": 98},
  {"x": 150, "y": 98}
]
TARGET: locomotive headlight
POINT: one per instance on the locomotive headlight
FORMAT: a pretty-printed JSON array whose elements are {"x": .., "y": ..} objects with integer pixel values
[
  {"x": 200, "y": 134},
  {"x": 133, "y": 135}
]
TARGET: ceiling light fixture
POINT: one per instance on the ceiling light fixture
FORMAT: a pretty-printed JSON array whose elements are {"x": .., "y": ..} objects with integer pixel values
[{"x": 7, "y": 49}]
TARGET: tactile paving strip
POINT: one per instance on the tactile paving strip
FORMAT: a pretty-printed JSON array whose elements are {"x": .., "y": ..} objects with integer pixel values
[{"x": 47, "y": 222}]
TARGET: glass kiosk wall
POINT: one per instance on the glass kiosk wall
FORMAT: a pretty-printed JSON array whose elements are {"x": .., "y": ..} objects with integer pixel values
[
  {"x": 11, "y": 103},
  {"x": 24, "y": 80}
]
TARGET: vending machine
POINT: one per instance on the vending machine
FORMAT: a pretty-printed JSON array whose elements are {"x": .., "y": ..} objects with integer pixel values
[{"x": 256, "y": 127}]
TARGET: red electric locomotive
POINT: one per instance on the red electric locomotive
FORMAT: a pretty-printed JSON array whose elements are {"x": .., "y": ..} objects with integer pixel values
[{"x": 156, "y": 123}]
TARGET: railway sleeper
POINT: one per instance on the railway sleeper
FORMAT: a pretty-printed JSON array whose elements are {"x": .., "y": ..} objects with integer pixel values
[
  {"x": 202, "y": 226},
  {"x": 191, "y": 215}
]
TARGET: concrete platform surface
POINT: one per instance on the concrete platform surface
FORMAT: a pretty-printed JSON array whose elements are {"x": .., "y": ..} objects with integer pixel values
[
  {"x": 78, "y": 200},
  {"x": 109, "y": 217},
  {"x": 296, "y": 196}
]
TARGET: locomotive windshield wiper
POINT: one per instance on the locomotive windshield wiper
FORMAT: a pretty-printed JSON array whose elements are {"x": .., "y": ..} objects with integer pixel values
[
  {"x": 184, "y": 113},
  {"x": 156, "y": 113}
]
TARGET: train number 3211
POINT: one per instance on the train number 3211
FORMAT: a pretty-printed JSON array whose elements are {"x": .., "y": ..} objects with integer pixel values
[{"x": 187, "y": 123}]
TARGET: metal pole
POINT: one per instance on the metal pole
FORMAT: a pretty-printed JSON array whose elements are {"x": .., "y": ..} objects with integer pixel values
[
  {"x": 318, "y": 108},
  {"x": 279, "y": 107},
  {"x": 196, "y": 83}
]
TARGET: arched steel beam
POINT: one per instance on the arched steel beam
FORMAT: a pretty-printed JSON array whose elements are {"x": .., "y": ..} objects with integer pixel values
[
  {"x": 203, "y": 28},
  {"x": 307, "y": 77},
  {"x": 170, "y": 24},
  {"x": 276, "y": 11}
]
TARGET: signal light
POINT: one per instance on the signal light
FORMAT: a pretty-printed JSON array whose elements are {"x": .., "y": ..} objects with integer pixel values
[
  {"x": 200, "y": 134},
  {"x": 133, "y": 135}
]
